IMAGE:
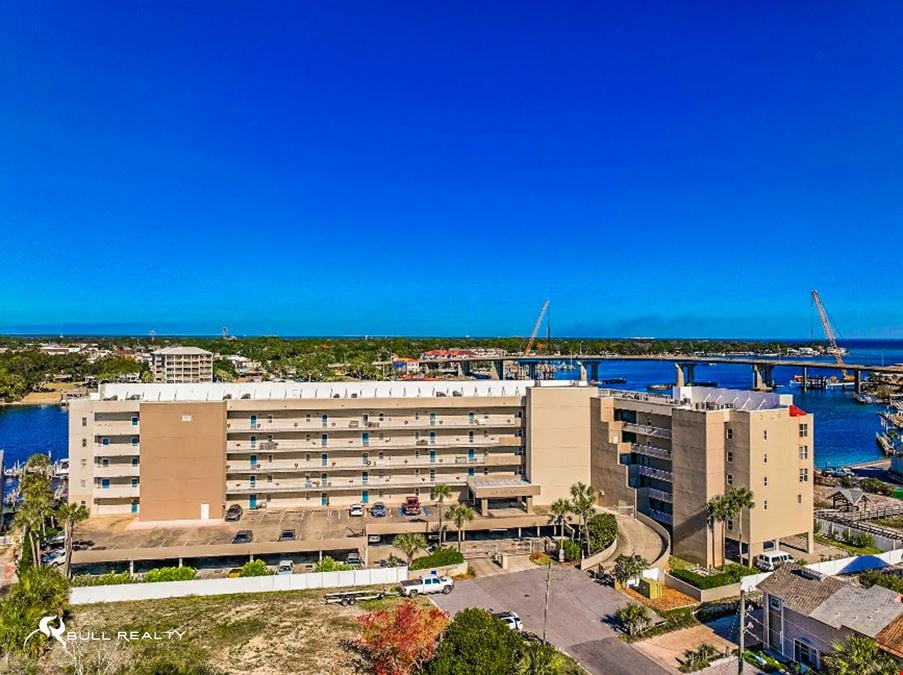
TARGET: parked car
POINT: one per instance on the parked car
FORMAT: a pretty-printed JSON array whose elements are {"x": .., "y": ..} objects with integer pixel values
[
  {"x": 285, "y": 567},
  {"x": 510, "y": 619},
  {"x": 56, "y": 540},
  {"x": 234, "y": 573},
  {"x": 354, "y": 559},
  {"x": 234, "y": 513},
  {"x": 243, "y": 537},
  {"x": 426, "y": 585},
  {"x": 411, "y": 506},
  {"x": 356, "y": 510},
  {"x": 378, "y": 510},
  {"x": 771, "y": 560},
  {"x": 287, "y": 535},
  {"x": 54, "y": 559}
]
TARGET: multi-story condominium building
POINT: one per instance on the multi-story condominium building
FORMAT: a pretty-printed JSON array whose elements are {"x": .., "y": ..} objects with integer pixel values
[
  {"x": 172, "y": 452},
  {"x": 669, "y": 455},
  {"x": 182, "y": 365}
]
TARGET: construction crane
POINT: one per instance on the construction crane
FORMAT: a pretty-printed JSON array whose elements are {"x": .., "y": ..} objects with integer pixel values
[
  {"x": 829, "y": 333},
  {"x": 542, "y": 313}
]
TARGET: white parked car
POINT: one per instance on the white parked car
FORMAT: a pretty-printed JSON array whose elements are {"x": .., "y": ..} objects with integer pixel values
[
  {"x": 510, "y": 619},
  {"x": 425, "y": 585},
  {"x": 769, "y": 561},
  {"x": 285, "y": 567},
  {"x": 356, "y": 511}
]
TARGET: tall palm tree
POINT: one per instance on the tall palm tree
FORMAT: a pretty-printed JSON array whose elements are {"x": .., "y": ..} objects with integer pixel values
[
  {"x": 70, "y": 515},
  {"x": 559, "y": 511},
  {"x": 441, "y": 492},
  {"x": 583, "y": 502},
  {"x": 716, "y": 513},
  {"x": 409, "y": 543},
  {"x": 741, "y": 497},
  {"x": 29, "y": 519},
  {"x": 461, "y": 513}
]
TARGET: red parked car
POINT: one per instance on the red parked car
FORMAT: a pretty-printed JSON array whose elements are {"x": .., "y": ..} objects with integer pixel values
[{"x": 411, "y": 507}]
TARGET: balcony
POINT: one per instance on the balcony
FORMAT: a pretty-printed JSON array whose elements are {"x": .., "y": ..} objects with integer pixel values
[
  {"x": 395, "y": 483},
  {"x": 661, "y": 495},
  {"x": 116, "y": 470},
  {"x": 372, "y": 464},
  {"x": 116, "y": 428},
  {"x": 650, "y": 472},
  {"x": 355, "y": 444},
  {"x": 240, "y": 424},
  {"x": 647, "y": 430},
  {"x": 115, "y": 492},
  {"x": 651, "y": 451},
  {"x": 116, "y": 450},
  {"x": 661, "y": 516}
]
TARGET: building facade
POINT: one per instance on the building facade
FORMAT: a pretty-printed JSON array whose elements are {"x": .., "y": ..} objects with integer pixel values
[
  {"x": 667, "y": 456},
  {"x": 171, "y": 452},
  {"x": 182, "y": 365}
]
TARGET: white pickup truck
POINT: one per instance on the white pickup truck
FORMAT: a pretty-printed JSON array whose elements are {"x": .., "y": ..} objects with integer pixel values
[{"x": 428, "y": 584}]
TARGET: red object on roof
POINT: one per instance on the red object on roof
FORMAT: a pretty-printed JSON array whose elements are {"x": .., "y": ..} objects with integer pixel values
[{"x": 797, "y": 412}]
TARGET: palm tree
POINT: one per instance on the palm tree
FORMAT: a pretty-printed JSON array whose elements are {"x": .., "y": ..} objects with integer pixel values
[
  {"x": 858, "y": 654},
  {"x": 559, "y": 512},
  {"x": 716, "y": 512},
  {"x": 583, "y": 502},
  {"x": 741, "y": 497},
  {"x": 441, "y": 492},
  {"x": 634, "y": 617},
  {"x": 461, "y": 513},
  {"x": 70, "y": 515},
  {"x": 29, "y": 519},
  {"x": 409, "y": 543}
]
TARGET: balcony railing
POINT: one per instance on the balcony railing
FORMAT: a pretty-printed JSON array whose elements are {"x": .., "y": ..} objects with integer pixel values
[
  {"x": 661, "y": 516},
  {"x": 116, "y": 470},
  {"x": 651, "y": 450},
  {"x": 661, "y": 495},
  {"x": 650, "y": 472},
  {"x": 116, "y": 450},
  {"x": 372, "y": 464},
  {"x": 236, "y": 425},
  {"x": 373, "y": 444},
  {"x": 636, "y": 396},
  {"x": 647, "y": 430},
  {"x": 115, "y": 492},
  {"x": 266, "y": 487}
]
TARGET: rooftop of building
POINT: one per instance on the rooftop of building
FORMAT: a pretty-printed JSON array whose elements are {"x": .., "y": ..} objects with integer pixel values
[
  {"x": 218, "y": 391},
  {"x": 183, "y": 351},
  {"x": 709, "y": 398}
]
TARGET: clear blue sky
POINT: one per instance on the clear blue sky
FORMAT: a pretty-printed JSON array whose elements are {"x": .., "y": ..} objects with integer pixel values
[{"x": 664, "y": 168}]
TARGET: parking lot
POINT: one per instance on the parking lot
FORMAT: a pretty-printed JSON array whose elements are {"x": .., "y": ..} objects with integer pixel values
[{"x": 581, "y": 615}]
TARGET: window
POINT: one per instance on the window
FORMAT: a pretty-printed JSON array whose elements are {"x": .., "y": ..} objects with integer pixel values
[
  {"x": 730, "y": 433},
  {"x": 765, "y": 481},
  {"x": 84, "y": 442},
  {"x": 84, "y": 421},
  {"x": 134, "y": 461},
  {"x": 134, "y": 441},
  {"x": 365, "y": 417},
  {"x": 134, "y": 421},
  {"x": 471, "y": 417},
  {"x": 104, "y": 441},
  {"x": 730, "y": 456},
  {"x": 730, "y": 479},
  {"x": 105, "y": 461},
  {"x": 84, "y": 462},
  {"x": 382, "y": 417},
  {"x": 804, "y": 475},
  {"x": 804, "y": 452},
  {"x": 804, "y": 430},
  {"x": 83, "y": 483},
  {"x": 134, "y": 482},
  {"x": 765, "y": 458},
  {"x": 765, "y": 504},
  {"x": 105, "y": 483},
  {"x": 805, "y": 653},
  {"x": 325, "y": 420},
  {"x": 765, "y": 434},
  {"x": 799, "y": 499},
  {"x": 730, "y": 526},
  {"x": 417, "y": 416}
]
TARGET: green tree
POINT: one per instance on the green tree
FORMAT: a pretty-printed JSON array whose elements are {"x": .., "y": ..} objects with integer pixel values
[
  {"x": 70, "y": 515},
  {"x": 717, "y": 511},
  {"x": 475, "y": 642},
  {"x": 539, "y": 658},
  {"x": 409, "y": 543},
  {"x": 459, "y": 514},
  {"x": 628, "y": 566},
  {"x": 559, "y": 512},
  {"x": 441, "y": 492},
  {"x": 603, "y": 530},
  {"x": 740, "y": 497},
  {"x": 40, "y": 592},
  {"x": 634, "y": 617},
  {"x": 255, "y": 568},
  {"x": 583, "y": 503},
  {"x": 328, "y": 564},
  {"x": 858, "y": 655}
]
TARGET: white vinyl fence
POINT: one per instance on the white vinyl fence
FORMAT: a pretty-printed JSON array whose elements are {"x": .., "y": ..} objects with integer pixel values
[
  {"x": 851, "y": 565},
  {"x": 84, "y": 595}
]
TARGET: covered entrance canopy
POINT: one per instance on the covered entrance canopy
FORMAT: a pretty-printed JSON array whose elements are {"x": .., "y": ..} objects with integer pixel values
[{"x": 484, "y": 489}]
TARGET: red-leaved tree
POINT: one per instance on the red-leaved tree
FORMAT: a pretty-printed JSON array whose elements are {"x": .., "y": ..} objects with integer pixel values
[{"x": 399, "y": 641}]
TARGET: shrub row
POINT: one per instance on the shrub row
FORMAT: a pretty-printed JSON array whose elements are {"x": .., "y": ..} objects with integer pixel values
[
  {"x": 731, "y": 574},
  {"x": 887, "y": 579},
  {"x": 159, "y": 574},
  {"x": 444, "y": 555}
]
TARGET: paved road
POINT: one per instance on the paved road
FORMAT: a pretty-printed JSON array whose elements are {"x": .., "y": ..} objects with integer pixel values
[{"x": 580, "y": 615}]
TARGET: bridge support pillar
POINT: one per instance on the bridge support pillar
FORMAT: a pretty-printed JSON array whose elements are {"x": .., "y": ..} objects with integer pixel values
[
  {"x": 463, "y": 368},
  {"x": 594, "y": 372},
  {"x": 531, "y": 370},
  {"x": 679, "y": 378},
  {"x": 762, "y": 377},
  {"x": 858, "y": 380},
  {"x": 582, "y": 373},
  {"x": 497, "y": 372},
  {"x": 805, "y": 380}
]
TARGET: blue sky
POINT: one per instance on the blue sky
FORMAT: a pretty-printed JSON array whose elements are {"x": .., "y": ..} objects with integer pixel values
[{"x": 654, "y": 168}]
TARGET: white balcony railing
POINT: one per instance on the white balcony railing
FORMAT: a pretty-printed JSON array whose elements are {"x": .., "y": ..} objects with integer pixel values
[
  {"x": 650, "y": 450},
  {"x": 371, "y": 464},
  {"x": 650, "y": 472},
  {"x": 402, "y": 482},
  {"x": 116, "y": 470},
  {"x": 661, "y": 516},
  {"x": 374, "y": 444},
  {"x": 115, "y": 492},
  {"x": 340, "y": 424},
  {"x": 647, "y": 430},
  {"x": 661, "y": 495}
]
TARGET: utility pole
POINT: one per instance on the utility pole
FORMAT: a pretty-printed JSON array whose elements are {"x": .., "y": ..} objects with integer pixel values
[
  {"x": 545, "y": 611},
  {"x": 742, "y": 630}
]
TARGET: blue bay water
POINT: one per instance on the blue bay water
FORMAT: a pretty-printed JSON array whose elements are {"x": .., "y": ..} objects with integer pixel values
[{"x": 844, "y": 430}]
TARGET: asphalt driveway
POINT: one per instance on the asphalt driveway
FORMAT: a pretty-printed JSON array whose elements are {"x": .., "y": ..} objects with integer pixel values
[{"x": 580, "y": 615}]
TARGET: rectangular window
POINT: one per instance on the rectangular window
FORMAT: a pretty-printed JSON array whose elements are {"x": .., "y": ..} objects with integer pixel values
[
  {"x": 134, "y": 421},
  {"x": 765, "y": 458},
  {"x": 804, "y": 452},
  {"x": 804, "y": 475},
  {"x": 804, "y": 430},
  {"x": 83, "y": 483},
  {"x": 324, "y": 420},
  {"x": 730, "y": 479},
  {"x": 730, "y": 433},
  {"x": 105, "y": 441},
  {"x": 84, "y": 462},
  {"x": 84, "y": 442},
  {"x": 799, "y": 499},
  {"x": 765, "y": 481},
  {"x": 730, "y": 456},
  {"x": 105, "y": 483},
  {"x": 134, "y": 441},
  {"x": 730, "y": 525},
  {"x": 765, "y": 504},
  {"x": 806, "y": 654},
  {"x": 84, "y": 421},
  {"x": 134, "y": 482},
  {"x": 134, "y": 461},
  {"x": 105, "y": 461},
  {"x": 765, "y": 434}
]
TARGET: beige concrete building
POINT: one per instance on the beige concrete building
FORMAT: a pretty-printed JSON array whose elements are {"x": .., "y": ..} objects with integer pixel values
[
  {"x": 173, "y": 452},
  {"x": 182, "y": 365},
  {"x": 668, "y": 455}
]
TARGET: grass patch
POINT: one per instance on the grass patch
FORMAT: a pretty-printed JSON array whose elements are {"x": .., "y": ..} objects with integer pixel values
[
  {"x": 855, "y": 550},
  {"x": 894, "y": 522}
]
